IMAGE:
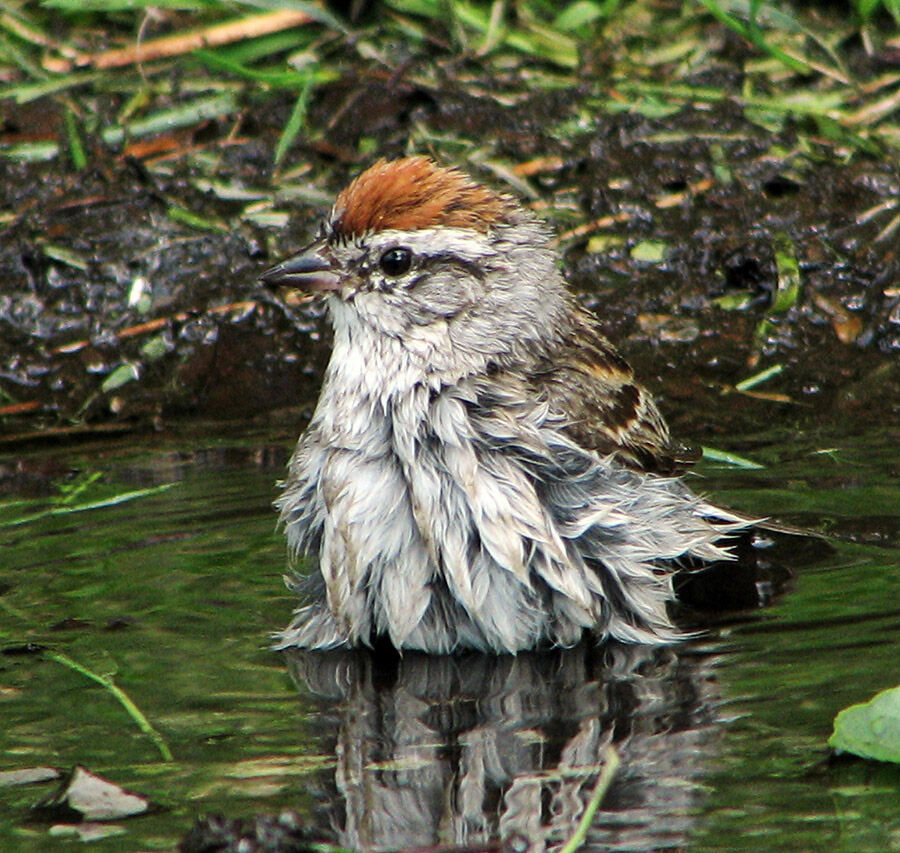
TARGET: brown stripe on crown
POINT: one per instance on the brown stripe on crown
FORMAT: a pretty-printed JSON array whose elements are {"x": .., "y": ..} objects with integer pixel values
[{"x": 415, "y": 193}]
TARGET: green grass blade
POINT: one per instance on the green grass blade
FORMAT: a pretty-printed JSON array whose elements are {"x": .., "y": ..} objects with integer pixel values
[
  {"x": 64, "y": 509},
  {"x": 76, "y": 147},
  {"x": 610, "y": 766},
  {"x": 759, "y": 378},
  {"x": 753, "y": 34},
  {"x": 276, "y": 79},
  {"x": 316, "y": 12},
  {"x": 26, "y": 92},
  {"x": 183, "y": 115},
  {"x": 711, "y": 454},
  {"x": 124, "y": 699},
  {"x": 294, "y": 125}
]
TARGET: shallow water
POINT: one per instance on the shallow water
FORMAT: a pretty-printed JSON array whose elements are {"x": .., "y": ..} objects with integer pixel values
[{"x": 722, "y": 740}]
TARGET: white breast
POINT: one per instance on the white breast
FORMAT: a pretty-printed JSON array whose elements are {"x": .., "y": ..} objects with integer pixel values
[{"x": 416, "y": 539}]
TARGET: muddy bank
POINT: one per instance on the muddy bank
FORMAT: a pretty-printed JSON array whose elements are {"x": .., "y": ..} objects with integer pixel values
[{"x": 710, "y": 248}]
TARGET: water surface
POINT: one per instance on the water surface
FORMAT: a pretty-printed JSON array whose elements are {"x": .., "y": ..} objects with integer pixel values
[{"x": 722, "y": 740}]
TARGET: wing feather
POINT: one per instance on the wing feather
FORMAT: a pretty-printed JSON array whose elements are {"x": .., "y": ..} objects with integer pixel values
[{"x": 587, "y": 381}]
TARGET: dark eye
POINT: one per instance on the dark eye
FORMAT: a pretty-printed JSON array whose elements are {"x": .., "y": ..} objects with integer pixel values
[{"x": 395, "y": 262}]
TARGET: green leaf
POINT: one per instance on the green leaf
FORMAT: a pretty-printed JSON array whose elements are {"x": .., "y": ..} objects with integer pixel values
[
  {"x": 123, "y": 374},
  {"x": 124, "y": 699},
  {"x": 314, "y": 10},
  {"x": 734, "y": 301},
  {"x": 425, "y": 8},
  {"x": 752, "y": 33},
  {"x": 277, "y": 79},
  {"x": 31, "y": 152},
  {"x": 64, "y": 255},
  {"x": 870, "y": 730},
  {"x": 650, "y": 251},
  {"x": 610, "y": 765},
  {"x": 603, "y": 243},
  {"x": 25, "y": 93},
  {"x": 63, "y": 507},
  {"x": 866, "y": 8},
  {"x": 580, "y": 13},
  {"x": 156, "y": 348}
]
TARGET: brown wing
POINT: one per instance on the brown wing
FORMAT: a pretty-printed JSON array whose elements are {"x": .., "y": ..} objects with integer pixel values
[{"x": 587, "y": 380}]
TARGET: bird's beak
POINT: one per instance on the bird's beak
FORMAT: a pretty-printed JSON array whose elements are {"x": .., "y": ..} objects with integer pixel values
[{"x": 307, "y": 273}]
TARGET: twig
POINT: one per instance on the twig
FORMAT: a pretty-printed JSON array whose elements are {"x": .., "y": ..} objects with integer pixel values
[
  {"x": 538, "y": 165},
  {"x": 593, "y": 225},
  {"x": 158, "y": 323},
  {"x": 20, "y": 408},
  {"x": 674, "y": 199},
  {"x": 888, "y": 230},
  {"x": 29, "y": 34},
  {"x": 168, "y": 46}
]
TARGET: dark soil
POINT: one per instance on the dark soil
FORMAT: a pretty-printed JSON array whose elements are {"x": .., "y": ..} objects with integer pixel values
[{"x": 201, "y": 341}]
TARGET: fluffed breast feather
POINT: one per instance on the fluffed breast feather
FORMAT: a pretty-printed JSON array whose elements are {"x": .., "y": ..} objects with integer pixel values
[{"x": 536, "y": 538}]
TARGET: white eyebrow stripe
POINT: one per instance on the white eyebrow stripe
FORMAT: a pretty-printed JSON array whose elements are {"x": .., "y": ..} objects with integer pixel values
[{"x": 463, "y": 243}]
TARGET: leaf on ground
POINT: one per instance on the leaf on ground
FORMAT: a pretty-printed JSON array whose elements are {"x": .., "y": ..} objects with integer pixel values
[
  {"x": 123, "y": 374},
  {"x": 650, "y": 251},
  {"x": 871, "y": 729},
  {"x": 92, "y": 798},
  {"x": 27, "y": 776}
]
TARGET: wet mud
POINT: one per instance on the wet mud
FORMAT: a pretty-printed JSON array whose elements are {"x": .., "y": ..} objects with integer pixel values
[{"x": 679, "y": 232}]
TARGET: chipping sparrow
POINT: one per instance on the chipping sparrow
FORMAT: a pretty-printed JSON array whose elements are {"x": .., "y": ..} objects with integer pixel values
[{"x": 482, "y": 470}]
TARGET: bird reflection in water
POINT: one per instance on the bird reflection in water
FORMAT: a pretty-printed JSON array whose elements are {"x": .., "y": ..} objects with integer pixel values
[{"x": 505, "y": 752}]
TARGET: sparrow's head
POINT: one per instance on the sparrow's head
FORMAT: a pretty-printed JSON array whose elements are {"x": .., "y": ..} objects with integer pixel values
[{"x": 424, "y": 254}]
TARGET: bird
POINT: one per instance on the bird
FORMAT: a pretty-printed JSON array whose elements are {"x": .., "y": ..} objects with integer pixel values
[{"x": 482, "y": 470}]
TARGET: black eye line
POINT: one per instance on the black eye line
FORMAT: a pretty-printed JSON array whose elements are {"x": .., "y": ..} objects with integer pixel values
[
  {"x": 421, "y": 264},
  {"x": 448, "y": 259}
]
